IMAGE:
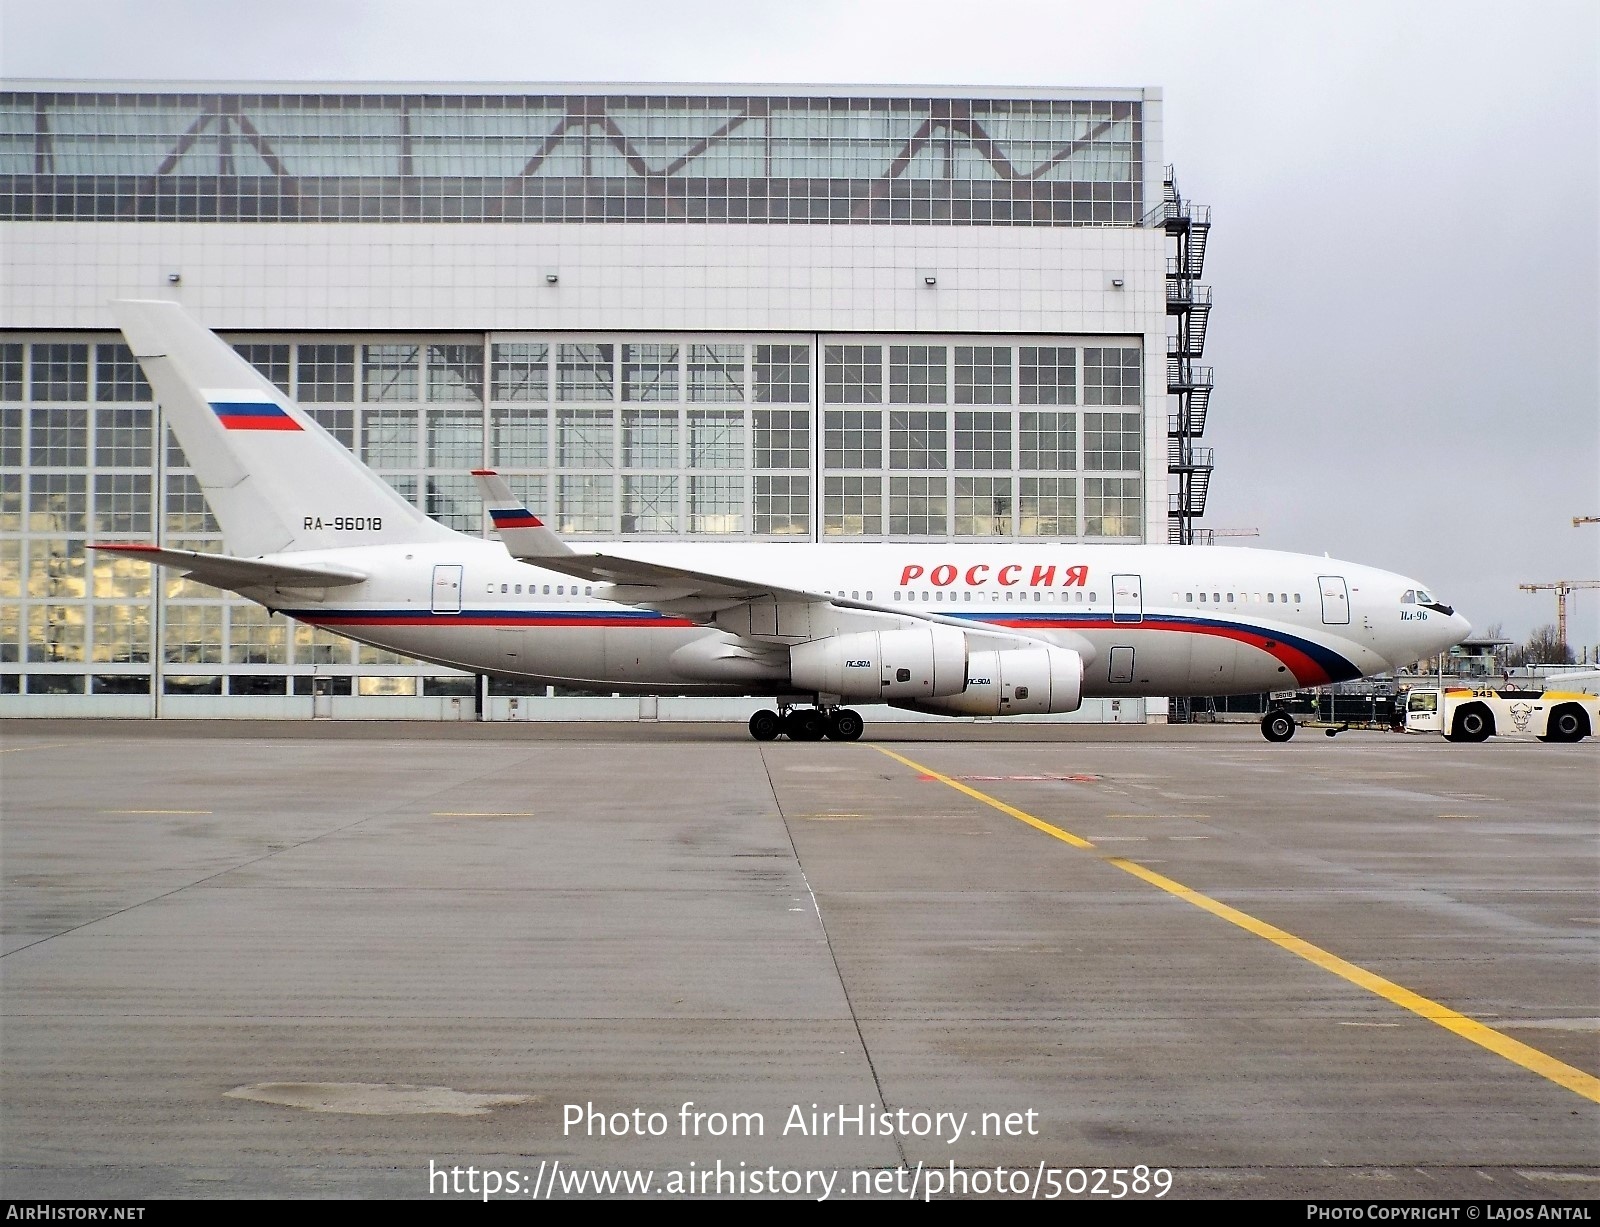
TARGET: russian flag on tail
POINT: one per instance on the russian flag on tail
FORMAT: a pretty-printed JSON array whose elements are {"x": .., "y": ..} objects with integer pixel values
[{"x": 253, "y": 415}]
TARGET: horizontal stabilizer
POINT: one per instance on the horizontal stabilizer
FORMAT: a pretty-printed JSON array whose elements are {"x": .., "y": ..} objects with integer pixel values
[
  {"x": 223, "y": 571},
  {"x": 526, "y": 536}
]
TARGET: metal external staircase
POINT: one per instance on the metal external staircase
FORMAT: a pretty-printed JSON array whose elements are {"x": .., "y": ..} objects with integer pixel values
[{"x": 1189, "y": 306}]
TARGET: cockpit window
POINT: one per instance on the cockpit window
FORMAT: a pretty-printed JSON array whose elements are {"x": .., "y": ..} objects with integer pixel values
[
  {"x": 1423, "y": 598},
  {"x": 1408, "y": 597}
]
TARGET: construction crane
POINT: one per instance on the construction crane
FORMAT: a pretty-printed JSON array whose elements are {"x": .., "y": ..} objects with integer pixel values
[{"x": 1561, "y": 588}]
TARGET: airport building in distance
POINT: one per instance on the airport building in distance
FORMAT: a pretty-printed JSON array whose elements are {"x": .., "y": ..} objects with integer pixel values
[{"x": 736, "y": 312}]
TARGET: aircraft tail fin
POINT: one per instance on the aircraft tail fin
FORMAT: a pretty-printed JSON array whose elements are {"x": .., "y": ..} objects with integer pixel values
[
  {"x": 275, "y": 480},
  {"x": 526, "y": 536}
]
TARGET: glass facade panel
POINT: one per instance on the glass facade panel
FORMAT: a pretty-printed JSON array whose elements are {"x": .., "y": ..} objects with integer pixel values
[
  {"x": 716, "y": 372},
  {"x": 983, "y": 507},
  {"x": 1111, "y": 507},
  {"x": 1048, "y": 507},
  {"x": 60, "y": 371},
  {"x": 271, "y": 360},
  {"x": 852, "y": 506},
  {"x": 117, "y": 376},
  {"x": 1111, "y": 441},
  {"x": 520, "y": 436},
  {"x": 919, "y": 507},
  {"x": 650, "y": 439},
  {"x": 716, "y": 439},
  {"x": 512, "y": 158},
  {"x": 852, "y": 439},
  {"x": 1111, "y": 376},
  {"x": 326, "y": 373},
  {"x": 584, "y": 372},
  {"x": 390, "y": 372},
  {"x": 1048, "y": 441},
  {"x": 649, "y": 503},
  {"x": 983, "y": 374},
  {"x": 983, "y": 439},
  {"x": 917, "y": 374},
  {"x": 853, "y": 374},
  {"x": 918, "y": 440},
  {"x": 782, "y": 374},
  {"x": 455, "y": 372},
  {"x": 650, "y": 372},
  {"x": 782, "y": 438},
  {"x": 520, "y": 371},
  {"x": 1048, "y": 374}
]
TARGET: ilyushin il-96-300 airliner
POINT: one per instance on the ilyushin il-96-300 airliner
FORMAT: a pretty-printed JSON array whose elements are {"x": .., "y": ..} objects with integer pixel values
[{"x": 992, "y": 629}]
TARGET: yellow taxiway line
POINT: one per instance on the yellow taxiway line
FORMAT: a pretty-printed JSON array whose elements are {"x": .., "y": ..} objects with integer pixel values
[{"x": 1546, "y": 1066}]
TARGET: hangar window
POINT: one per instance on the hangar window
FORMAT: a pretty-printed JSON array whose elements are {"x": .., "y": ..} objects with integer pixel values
[
  {"x": 389, "y": 372},
  {"x": 983, "y": 440},
  {"x": 119, "y": 377},
  {"x": 983, "y": 374},
  {"x": 1049, "y": 375},
  {"x": 782, "y": 374},
  {"x": 853, "y": 439},
  {"x": 1049, "y": 441},
  {"x": 60, "y": 372},
  {"x": 455, "y": 372},
  {"x": 716, "y": 372},
  {"x": 782, "y": 505},
  {"x": 1048, "y": 507},
  {"x": 1111, "y": 441},
  {"x": 59, "y": 438},
  {"x": 782, "y": 438},
  {"x": 918, "y": 439},
  {"x": 917, "y": 374},
  {"x": 11, "y": 371},
  {"x": 716, "y": 439},
  {"x": 852, "y": 506},
  {"x": 1111, "y": 376},
  {"x": 326, "y": 373},
  {"x": 853, "y": 374},
  {"x": 650, "y": 372},
  {"x": 520, "y": 370},
  {"x": 983, "y": 506},
  {"x": 584, "y": 372}
]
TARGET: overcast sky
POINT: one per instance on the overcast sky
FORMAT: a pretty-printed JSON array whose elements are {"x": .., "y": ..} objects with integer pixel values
[{"x": 1406, "y": 207}]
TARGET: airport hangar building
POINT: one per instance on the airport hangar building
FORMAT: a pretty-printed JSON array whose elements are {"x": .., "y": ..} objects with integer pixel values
[{"x": 777, "y": 313}]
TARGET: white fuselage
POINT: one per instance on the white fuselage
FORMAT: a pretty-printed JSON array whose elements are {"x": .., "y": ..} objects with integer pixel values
[{"x": 1148, "y": 620}]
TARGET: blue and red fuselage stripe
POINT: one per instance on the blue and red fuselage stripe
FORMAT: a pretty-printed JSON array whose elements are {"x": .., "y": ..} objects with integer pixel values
[{"x": 1311, "y": 664}]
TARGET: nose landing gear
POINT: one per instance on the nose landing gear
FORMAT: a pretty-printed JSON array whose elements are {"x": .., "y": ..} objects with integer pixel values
[{"x": 807, "y": 724}]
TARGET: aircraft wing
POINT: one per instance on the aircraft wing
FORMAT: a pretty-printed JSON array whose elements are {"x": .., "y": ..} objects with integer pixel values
[
  {"x": 697, "y": 595},
  {"x": 225, "y": 571}
]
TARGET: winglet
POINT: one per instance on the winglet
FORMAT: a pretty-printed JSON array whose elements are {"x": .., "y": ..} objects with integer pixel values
[{"x": 526, "y": 536}]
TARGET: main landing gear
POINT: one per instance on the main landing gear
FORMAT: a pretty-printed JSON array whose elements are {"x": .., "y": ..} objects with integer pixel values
[{"x": 807, "y": 724}]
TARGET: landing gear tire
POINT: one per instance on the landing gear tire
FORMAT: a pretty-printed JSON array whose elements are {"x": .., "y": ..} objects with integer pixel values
[
  {"x": 1277, "y": 725},
  {"x": 805, "y": 724},
  {"x": 846, "y": 725},
  {"x": 765, "y": 725},
  {"x": 1473, "y": 723}
]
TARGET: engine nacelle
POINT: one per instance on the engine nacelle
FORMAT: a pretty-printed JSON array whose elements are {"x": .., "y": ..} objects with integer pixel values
[
  {"x": 921, "y": 662},
  {"x": 1023, "y": 681}
]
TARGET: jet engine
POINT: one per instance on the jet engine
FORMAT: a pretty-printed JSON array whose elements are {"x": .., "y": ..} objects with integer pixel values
[
  {"x": 883, "y": 666},
  {"x": 1021, "y": 681}
]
